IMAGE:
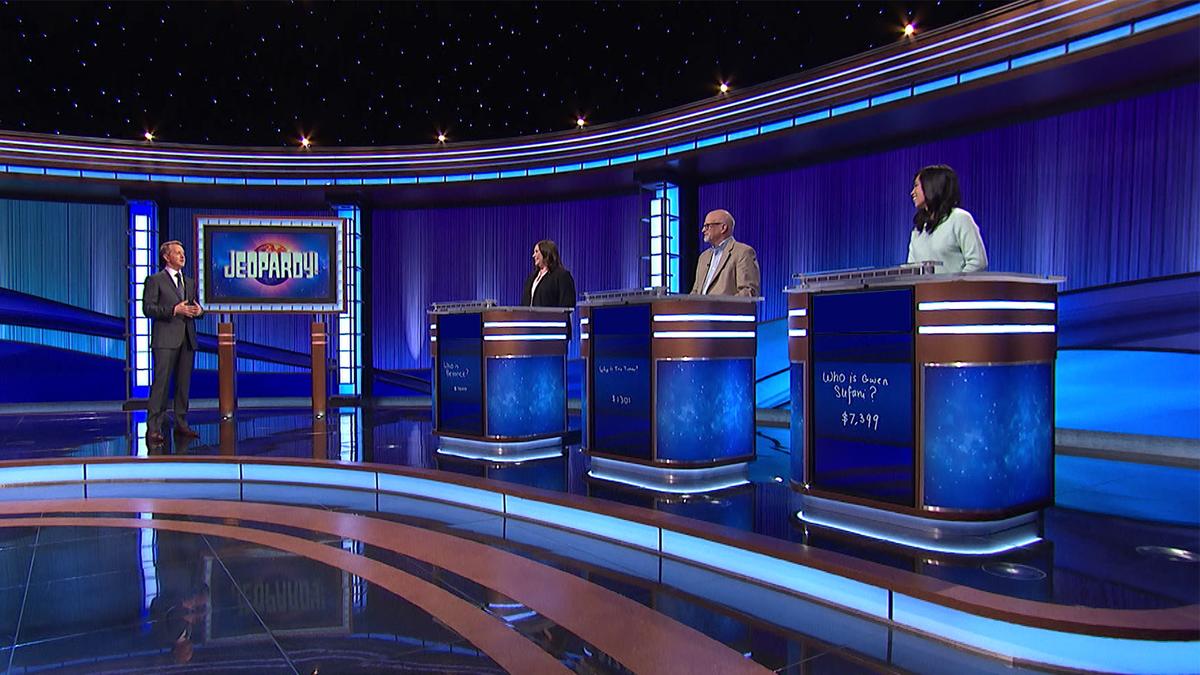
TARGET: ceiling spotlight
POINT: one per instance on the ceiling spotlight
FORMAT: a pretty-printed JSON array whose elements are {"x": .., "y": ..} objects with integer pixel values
[
  {"x": 305, "y": 143},
  {"x": 909, "y": 29},
  {"x": 724, "y": 87},
  {"x": 148, "y": 136},
  {"x": 580, "y": 122}
]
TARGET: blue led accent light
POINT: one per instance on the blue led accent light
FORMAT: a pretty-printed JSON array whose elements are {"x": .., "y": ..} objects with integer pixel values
[
  {"x": 595, "y": 164},
  {"x": 624, "y": 531},
  {"x": 492, "y": 175},
  {"x": 347, "y": 181},
  {"x": 35, "y": 171},
  {"x": 310, "y": 475},
  {"x": 1166, "y": 18},
  {"x": 374, "y": 181},
  {"x": 137, "y": 471},
  {"x": 682, "y": 147},
  {"x": 221, "y": 180},
  {"x": 158, "y": 178},
  {"x": 541, "y": 171},
  {"x": 985, "y": 71},
  {"x": 48, "y": 473},
  {"x": 651, "y": 154},
  {"x": 1039, "y": 56},
  {"x": 812, "y": 117},
  {"x": 349, "y": 323},
  {"x": 776, "y": 126},
  {"x": 458, "y": 178},
  {"x": 711, "y": 140},
  {"x": 431, "y": 179},
  {"x": 403, "y": 180},
  {"x": 72, "y": 173},
  {"x": 106, "y": 175},
  {"x": 935, "y": 85},
  {"x": 567, "y": 168},
  {"x": 199, "y": 180},
  {"x": 254, "y": 181},
  {"x": 888, "y": 98},
  {"x": 446, "y": 492},
  {"x": 1041, "y": 645},
  {"x": 295, "y": 181},
  {"x": 871, "y": 600},
  {"x": 849, "y": 107},
  {"x": 743, "y": 133},
  {"x": 623, "y": 159},
  {"x": 519, "y": 173}
]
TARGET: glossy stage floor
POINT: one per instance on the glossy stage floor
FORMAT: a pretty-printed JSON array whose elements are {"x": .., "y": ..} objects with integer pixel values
[{"x": 363, "y": 543}]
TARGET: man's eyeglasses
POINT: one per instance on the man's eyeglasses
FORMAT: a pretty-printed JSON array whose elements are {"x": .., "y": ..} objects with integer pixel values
[{"x": 708, "y": 225}]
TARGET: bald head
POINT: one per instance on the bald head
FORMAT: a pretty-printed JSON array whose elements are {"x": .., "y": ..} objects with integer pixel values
[{"x": 718, "y": 225}]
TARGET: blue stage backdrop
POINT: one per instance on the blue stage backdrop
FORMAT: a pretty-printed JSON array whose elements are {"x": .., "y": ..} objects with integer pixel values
[
  {"x": 421, "y": 256},
  {"x": 74, "y": 256},
  {"x": 282, "y": 331},
  {"x": 1101, "y": 195}
]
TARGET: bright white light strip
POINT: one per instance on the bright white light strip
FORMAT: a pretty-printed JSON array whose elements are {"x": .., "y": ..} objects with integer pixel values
[
  {"x": 583, "y": 321},
  {"x": 691, "y": 488},
  {"x": 988, "y": 329},
  {"x": 450, "y": 441},
  {"x": 798, "y": 312},
  {"x": 609, "y": 527},
  {"x": 958, "y": 549},
  {"x": 584, "y": 336},
  {"x": 310, "y": 475},
  {"x": 740, "y": 318},
  {"x": 433, "y": 338},
  {"x": 524, "y": 324},
  {"x": 446, "y": 492},
  {"x": 49, "y": 473},
  {"x": 433, "y": 326},
  {"x": 500, "y": 459},
  {"x": 704, "y": 334},
  {"x": 797, "y": 332},
  {"x": 134, "y": 471},
  {"x": 522, "y": 338},
  {"x": 983, "y": 304}
]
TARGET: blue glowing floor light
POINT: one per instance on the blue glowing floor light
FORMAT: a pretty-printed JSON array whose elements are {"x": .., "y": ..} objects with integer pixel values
[{"x": 143, "y": 261}]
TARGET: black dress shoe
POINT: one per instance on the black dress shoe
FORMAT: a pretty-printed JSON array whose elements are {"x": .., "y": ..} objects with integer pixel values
[
  {"x": 186, "y": 431},
  {"x": 155, "y": 438}
]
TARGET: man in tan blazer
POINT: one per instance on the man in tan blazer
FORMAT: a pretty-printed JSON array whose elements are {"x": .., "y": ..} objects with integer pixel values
[{"x": 729, "y": 267}]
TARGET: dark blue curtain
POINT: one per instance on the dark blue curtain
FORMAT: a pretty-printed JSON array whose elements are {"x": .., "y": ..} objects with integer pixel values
[
  {"x": 1099, "y": 195},
  {"x": 469, "y": 253}
]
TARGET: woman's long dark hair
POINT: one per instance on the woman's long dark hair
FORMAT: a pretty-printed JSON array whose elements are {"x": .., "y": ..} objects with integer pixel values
[
  {"x": 549, "y": 253},
  {"x": 939, "y": 183}
]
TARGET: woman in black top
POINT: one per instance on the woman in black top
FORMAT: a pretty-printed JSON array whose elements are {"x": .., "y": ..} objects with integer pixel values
[{"x": 550, "y": 284}]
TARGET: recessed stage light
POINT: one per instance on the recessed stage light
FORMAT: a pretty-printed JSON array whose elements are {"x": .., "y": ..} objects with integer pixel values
[
  {"x": 305, "y": 143},
  {"x": 909, "y": 29},
  {"x": 580, "y": 122},
  {"x": 724, "y": 87},
  {"x": 148, "y": 136},
  {"x": 441, "y": 138}
]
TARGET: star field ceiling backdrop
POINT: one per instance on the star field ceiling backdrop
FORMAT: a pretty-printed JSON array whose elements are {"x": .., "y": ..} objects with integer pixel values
[{"x": 347, "y": 74}]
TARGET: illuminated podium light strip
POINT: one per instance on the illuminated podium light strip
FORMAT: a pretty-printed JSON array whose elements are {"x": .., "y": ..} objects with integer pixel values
[
  {"x": 524, "y": 324},
  {"x": 522, "y": 338},
  {"x": 433, "y": 338},
  {"x": 988, "y": 329},
  {"x": 982, "y": 304},
  {"x": 741, "y": 318},
  {"x": 583, "y": 321},
  {"x": 584, "y": 336},
  {"x": 797, "y": 332},
  {"x": 999, "y": 545},
  {"x": 704, "y": 334},
  {"x": 515, "y": 458},
  {"x": 797, "y": 312},
  {"x": 699, "y": 487}
]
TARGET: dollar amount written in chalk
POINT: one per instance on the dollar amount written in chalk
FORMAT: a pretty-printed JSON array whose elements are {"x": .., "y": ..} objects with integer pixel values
[{"x": 858, "y": 419}]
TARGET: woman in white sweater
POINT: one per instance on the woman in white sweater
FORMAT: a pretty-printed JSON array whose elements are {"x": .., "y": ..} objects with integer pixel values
[{"x": 941, "y": 230}]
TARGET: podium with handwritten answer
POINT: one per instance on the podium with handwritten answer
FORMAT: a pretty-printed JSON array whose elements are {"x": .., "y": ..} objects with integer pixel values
[
  {"x": 499, "y": 373},
  {"x": 669, "y": 379},
  {"x": 924, "y": 394}
]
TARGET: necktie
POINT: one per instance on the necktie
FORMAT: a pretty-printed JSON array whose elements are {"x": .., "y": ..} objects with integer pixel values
[{"x": 179, "y": 283}]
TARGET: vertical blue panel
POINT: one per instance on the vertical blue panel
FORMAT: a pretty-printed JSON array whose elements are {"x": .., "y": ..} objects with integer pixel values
[
  {"x": 460, "y": 380},
  {"x": 989, "y": 436},
  {"x": 798, "y": 430},
  {"x": 620, "y": 364},
  {"x": 526, "y": 396},
  {"x": 705, "y": 409}
]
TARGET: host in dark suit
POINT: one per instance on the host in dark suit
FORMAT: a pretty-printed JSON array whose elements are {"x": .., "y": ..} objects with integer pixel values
[
  {"x": 169, "y": 301},
  {"x": 729, "y": 267},
  {"x": 550, "y": 284}
]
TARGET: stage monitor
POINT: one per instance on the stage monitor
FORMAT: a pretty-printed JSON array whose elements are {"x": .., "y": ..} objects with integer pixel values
[{"x": 271, "y": 264}]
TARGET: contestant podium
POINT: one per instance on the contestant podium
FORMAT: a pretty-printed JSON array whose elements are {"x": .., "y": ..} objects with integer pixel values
[
  {"x": 921, "y": 394},
  {"x": 669, "y": 386},
  {"x": 499, "y": 373}
]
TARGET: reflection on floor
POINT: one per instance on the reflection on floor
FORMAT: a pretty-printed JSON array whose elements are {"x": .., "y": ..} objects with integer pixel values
[{"x": 104, "y": 598}]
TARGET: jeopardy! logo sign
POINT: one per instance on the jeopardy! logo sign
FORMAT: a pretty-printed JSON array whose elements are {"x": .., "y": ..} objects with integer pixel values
[{"x": 272, "y": 264}]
